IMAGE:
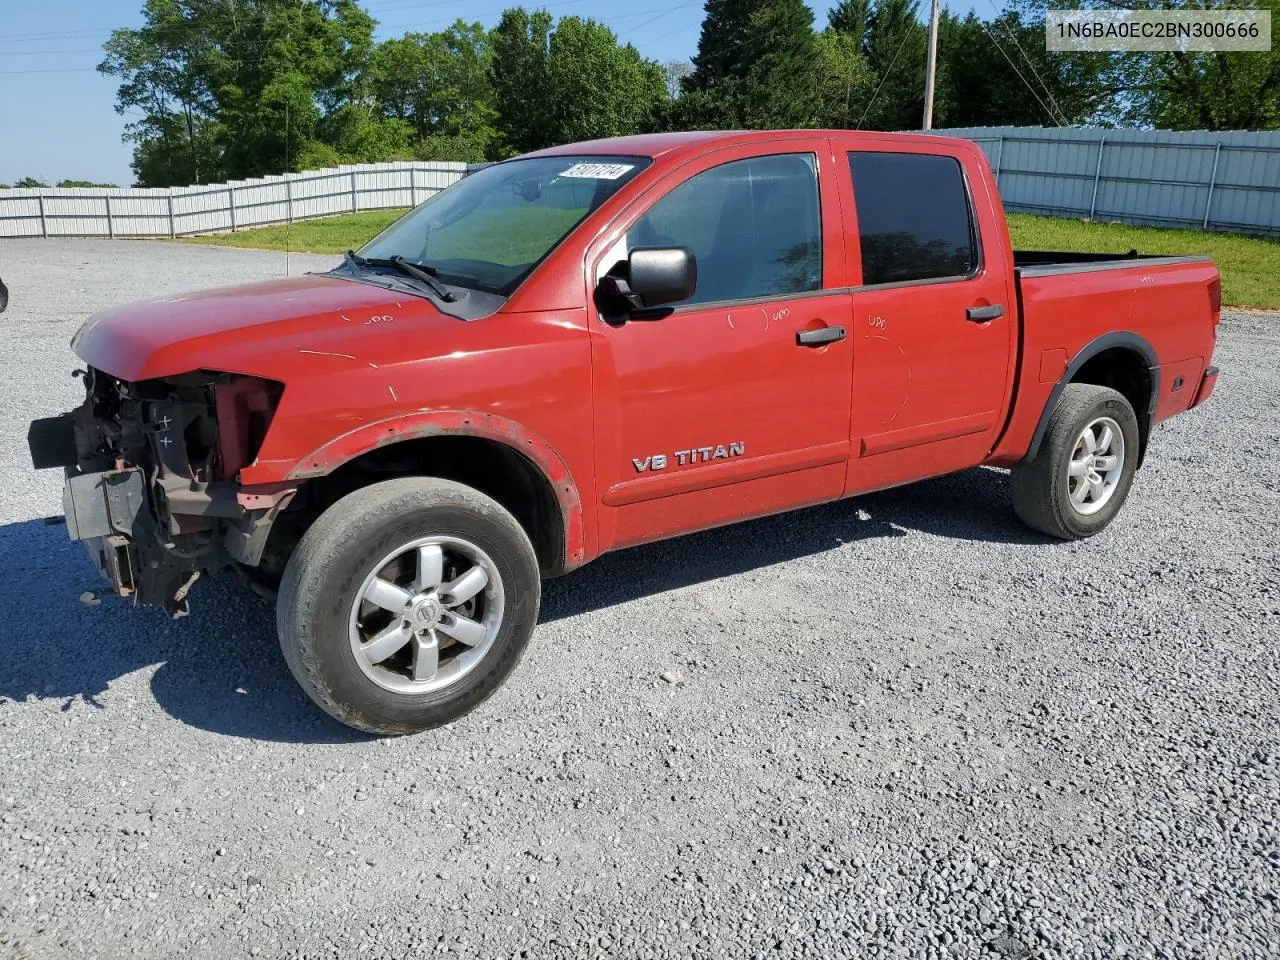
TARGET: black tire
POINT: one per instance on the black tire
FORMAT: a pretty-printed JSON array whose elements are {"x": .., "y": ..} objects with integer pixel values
[
  {"x": 1041, "y": 486},
  {"x": 330, "y": 564}
]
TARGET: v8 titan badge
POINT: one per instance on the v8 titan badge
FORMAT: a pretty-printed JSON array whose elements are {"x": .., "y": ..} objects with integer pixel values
[{"x": 660, "y": 461}]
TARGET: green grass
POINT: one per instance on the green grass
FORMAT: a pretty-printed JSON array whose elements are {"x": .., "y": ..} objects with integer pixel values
[
  {"x": 505, "y": 235},
  {"x": 472, "y": 237},
  {"x": 325, "y": 235},
  {"x": 1250, "y": 265}
]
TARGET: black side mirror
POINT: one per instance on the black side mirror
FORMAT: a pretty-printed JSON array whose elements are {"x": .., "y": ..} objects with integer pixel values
[
  {"x": 4, "y": 296},
  {"x": 652, "y": 277}
]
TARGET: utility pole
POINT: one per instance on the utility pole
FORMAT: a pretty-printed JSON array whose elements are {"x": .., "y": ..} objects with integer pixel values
[{"x": 931, "y": 66}]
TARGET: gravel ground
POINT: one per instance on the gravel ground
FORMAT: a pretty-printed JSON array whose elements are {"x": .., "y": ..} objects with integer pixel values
[{"x": 901, "y": 726}]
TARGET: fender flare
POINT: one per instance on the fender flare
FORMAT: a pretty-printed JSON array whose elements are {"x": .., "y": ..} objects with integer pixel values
[
  {"x": 434, "y": 423},
  {"x": 1124, "y": 339}
]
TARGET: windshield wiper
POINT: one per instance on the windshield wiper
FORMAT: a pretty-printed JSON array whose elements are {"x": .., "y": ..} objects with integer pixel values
[{"x": 419, "y": 271}]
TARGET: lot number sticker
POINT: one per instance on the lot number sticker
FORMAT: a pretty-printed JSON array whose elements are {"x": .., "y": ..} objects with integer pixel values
[{"x": 598, "y": 171}]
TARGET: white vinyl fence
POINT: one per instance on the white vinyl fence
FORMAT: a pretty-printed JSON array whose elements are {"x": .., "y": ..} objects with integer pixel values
[
  {"x": 1215, "y": 181},
  {"x": 217, "y": 208}
]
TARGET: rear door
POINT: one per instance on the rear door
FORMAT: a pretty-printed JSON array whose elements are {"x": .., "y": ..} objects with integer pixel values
[
  {"x": 728, "y": 406},
  {"x": 935, "y": 318}
]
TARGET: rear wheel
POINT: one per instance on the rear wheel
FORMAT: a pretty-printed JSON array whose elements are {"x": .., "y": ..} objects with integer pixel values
[
  {"x": 1079, "y": 478},
  {"x": 408, "y": 603}
]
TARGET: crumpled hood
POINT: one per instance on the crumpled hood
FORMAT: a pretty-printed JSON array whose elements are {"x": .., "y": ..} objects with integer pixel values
[{"x": 256, "y": 329}]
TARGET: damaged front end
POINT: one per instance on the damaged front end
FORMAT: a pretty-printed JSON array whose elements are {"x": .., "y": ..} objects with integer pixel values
[{"x": 151, "y": 485}]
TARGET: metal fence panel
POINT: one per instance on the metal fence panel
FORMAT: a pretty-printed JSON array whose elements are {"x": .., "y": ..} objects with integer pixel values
[
  {"x": 1213, "y": 180},
  {"x": 221, "y": 207}
]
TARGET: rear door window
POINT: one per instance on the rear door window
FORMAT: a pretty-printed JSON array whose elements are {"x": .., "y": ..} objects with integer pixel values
[
  {"x": 914, "y": 218},
  {"x": 755, "y": 226}
]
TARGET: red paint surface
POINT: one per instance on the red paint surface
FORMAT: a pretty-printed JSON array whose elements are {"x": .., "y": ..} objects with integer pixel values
[{"x": 915, "y": 390}]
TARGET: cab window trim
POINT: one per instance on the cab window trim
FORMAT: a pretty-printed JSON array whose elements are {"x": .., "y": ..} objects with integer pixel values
[
  {"x": 756, "y": 301},
  {"x": 821, "y": 290},
  {"x": 975, "y": 234}
]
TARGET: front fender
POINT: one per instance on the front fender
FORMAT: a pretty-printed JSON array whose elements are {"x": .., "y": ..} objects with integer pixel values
[{"x": 432, "y": 423}]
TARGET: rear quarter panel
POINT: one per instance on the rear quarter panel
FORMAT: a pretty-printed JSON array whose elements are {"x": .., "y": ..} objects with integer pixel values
[{"x": 1164, "y": 305}]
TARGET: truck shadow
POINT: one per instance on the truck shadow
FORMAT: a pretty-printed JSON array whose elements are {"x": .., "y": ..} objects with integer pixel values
[
  {"x": 973, "y": 505},
  {"x": 221, "y": 670}
]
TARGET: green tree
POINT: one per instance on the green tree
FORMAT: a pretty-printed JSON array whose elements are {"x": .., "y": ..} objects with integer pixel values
[
  {"x": 845, "y": 80},
  {"x": 1169, "y": 90},
  {"x": 227, "y": 88},
  {"x": 598, "y": 88},
  {"x": 460, "y": 148},
  {"x": 84, "y": 183},
  {"x": 782, "y": 80},
  {"x": 314, "y": 155},
  {"x": 29, "y": 182},
  {"x": 998, "y": 72},
  {"x": 361, "y": 134},
  {"x": 1206, "y": 91},
  {"x": 894, "y": 46},
  {"x": 573, "y": 82},
  {"x": 439, "y": 82},
  {"x": 756, "y": 66},
  {"x": 278, "y": 67},
  {"x": 851, "y": 17},
  {"x": 164, "y": 78},
  {"x": 521, "y": 51}
]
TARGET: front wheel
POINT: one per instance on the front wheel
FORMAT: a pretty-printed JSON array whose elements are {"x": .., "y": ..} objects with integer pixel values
[
  {"x": 408, "y": 603},
  {"x": 1079, "y": 478}
]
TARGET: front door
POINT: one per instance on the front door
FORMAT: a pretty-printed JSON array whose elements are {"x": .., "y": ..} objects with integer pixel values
[
  {"x": 736, "y": 403},
  {"x": 934, "y": 321}
]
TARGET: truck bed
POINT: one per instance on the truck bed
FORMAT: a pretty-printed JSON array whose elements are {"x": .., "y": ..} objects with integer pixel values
[
  {"x": 1037, "y": 263},
  {"x": 1070, "y": 302}
]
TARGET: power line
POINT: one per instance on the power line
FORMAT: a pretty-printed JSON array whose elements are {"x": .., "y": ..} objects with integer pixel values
[
  {"x": 906, "y": 35},
  {"x": 1062, "y": 117},
  {"x": 658, "y": 13},
  {"x": 1043, "y": 105},
  {"x": 52, "y": 70},
  {"x": 248, "y": 16},
  {"x": 50, "y": 53},
  {"x": 248, "y": 19},
  {"x": 640, "y": 26}
]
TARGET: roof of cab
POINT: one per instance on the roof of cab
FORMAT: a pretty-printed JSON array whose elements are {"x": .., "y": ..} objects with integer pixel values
[{"x": 661, "y": 144}]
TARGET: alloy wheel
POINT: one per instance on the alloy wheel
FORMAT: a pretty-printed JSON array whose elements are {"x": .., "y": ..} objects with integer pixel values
[
  {"x": 1096, "y": 466},
  {"x": 426, "y": 614}
]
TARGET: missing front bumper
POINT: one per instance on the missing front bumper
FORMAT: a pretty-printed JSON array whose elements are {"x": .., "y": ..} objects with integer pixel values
[
  {"x": 137, "y": 554},
  {"x": 108, "y": 512},
  {"x": 104, "y": 510}
]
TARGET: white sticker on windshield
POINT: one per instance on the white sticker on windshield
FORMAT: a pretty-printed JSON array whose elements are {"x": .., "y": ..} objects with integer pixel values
[{"x": 598, "y": 171}]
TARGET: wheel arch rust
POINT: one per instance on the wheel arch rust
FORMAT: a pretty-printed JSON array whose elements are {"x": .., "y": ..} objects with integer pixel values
[{"x": 461, "y": 423}]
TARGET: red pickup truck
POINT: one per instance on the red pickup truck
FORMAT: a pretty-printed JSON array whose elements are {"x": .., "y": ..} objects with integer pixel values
[{"x": 595, "y": 346}]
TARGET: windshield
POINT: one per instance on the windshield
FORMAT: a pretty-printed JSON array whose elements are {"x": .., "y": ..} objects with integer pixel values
[{"x": 489, "y": 230}]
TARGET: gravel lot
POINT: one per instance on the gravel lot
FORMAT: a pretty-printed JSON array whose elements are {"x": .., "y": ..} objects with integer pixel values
[{"x": 904, "y": 726}]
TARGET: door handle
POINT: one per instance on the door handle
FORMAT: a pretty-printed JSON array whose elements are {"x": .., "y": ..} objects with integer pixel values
[
  {"x": 983, "y": 314},
  {"x": 819, "y": 337}
]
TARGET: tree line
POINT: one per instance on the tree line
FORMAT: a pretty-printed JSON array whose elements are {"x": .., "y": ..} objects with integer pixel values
[
  {"x": 226, "y": 89},
  {"x": 36, "y": 182}
]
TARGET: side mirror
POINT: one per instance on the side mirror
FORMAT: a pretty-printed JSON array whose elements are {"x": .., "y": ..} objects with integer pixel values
[
  {"x": 652, "y": 277},
  {"x": 4, "y": 296}
]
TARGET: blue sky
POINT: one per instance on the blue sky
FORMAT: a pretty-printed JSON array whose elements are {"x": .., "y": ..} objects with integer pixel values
[{"x": 57, "y": 114}]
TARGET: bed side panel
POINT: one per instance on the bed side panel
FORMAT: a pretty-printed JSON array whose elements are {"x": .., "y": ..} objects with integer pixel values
[{"x": 1162, "y": 302}]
